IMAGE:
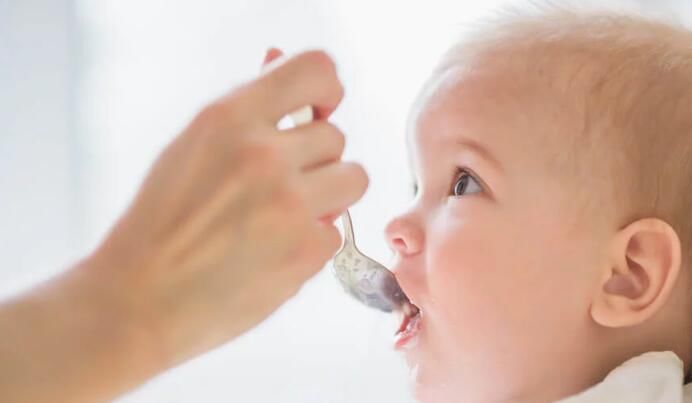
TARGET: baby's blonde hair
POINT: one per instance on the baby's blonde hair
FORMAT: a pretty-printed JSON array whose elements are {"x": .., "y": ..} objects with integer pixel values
[{"x": 629, "y": 79}]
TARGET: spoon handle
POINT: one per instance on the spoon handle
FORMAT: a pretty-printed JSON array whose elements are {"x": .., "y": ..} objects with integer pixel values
[
  {"x": 349, "y": 239},
  {"x": 304, "y": 116},
  {"x": 300, "y": 116}
]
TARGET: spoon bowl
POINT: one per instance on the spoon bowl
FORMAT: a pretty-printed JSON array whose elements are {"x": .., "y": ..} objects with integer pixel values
[{"x": 365, "y": 279}]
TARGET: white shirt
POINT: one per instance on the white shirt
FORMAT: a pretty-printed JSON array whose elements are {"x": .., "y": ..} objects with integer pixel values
[{"x": 655, "y": 377}]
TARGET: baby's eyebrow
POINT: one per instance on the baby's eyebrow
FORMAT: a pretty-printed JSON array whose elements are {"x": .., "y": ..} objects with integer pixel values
[
  {"x": 469, "y": 144},
  {"x": 479, "y": 149},
  {"x": 475, "y": 147}
]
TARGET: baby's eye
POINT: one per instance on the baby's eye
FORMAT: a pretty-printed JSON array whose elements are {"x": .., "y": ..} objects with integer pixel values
[{"x": 465, "y": 184}]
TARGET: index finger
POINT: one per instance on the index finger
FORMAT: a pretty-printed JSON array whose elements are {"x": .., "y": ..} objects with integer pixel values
[{"x": 309, "y": 78}]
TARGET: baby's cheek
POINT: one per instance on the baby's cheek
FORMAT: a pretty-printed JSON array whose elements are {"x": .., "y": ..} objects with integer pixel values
[
  {"x": 498, "y": 300},
  {"x": 486, "y": 288},
  {"x": 468, "y": 281},
  {"x": 472, "y": 314},
  {"x": 469, "y": 265}
]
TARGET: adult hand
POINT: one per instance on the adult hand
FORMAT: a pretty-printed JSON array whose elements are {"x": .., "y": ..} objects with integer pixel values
[{"x": 227, "y": 226}]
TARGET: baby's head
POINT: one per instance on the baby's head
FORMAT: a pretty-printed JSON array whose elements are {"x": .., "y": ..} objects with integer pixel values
[{"x": 549, "y": 239}]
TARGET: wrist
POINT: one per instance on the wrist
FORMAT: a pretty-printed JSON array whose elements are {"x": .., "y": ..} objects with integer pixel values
[
  {"x": 74, "y": 338},
  {"x": 105, "y": 293}
]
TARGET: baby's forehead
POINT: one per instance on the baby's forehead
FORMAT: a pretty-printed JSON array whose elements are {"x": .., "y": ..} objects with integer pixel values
[
  {"x": 548, "y": 93},
  {"x": 496, "y": 106}
]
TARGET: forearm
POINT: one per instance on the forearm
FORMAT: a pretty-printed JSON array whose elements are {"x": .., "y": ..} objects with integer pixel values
[{"x": 69, "y": 340}]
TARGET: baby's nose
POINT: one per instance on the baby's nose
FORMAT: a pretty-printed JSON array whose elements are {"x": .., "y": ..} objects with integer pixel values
[{"x": 404, "y": 236}]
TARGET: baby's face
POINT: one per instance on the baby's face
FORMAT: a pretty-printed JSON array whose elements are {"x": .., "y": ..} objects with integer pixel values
[{"x": 494, "y": 249}]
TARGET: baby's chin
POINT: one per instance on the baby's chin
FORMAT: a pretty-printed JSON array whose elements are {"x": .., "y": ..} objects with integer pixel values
[
  {"x": 427, "y": 390},
  {"x": 436, "y": 381},
  {"x": 446, "y": 370},
  {"x": 451, "y": 391},
  {"x": 430, "y": 376},
  {"x": 429, "y": 382}
]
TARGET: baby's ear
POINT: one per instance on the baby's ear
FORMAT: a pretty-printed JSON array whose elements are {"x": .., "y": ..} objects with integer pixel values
[{"x": 645, "y": 263}]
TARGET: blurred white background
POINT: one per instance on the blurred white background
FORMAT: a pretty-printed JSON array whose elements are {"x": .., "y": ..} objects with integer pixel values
[{"x": 91, "y": 90}]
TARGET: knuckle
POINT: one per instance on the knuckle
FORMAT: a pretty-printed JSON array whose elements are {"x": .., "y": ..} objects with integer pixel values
[
  {"x": 211, "y": 114},
  {"x": 279, "y": 220},
  {"x": 303, "y": 250},
  {"x": 257, "y": 176},
  {"x": 264, "y": 156},
  {"x": 290, "y": 202},
  {"x": 288, "y": 199},
  {"x": 340, "y": 90},
  {"x": 319, "y": 59},
  {"x": 315, "y": 249},
  {"x": 332, "y": 240},
  {"x": 359, "y": 177},
  {"x": 322, "y": 245},
  {"x": 338, "y": 139},
  {"x": 225, "y": 112},
  {"x": 333, "y": 139},
  {"x": 242, "y": 101},
  {"x": 323, "y": 66}
]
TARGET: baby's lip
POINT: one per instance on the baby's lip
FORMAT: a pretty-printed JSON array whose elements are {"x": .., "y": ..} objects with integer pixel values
[
  {"x": 408, "y": 312},
  {"x": 406, "y": 336}
]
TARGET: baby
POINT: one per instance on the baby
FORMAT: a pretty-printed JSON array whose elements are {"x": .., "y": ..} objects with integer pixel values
[{"x": 549, "y": 239}]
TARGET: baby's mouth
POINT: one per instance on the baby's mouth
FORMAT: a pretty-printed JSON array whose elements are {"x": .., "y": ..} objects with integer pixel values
[{"x": 407, "y": 335}]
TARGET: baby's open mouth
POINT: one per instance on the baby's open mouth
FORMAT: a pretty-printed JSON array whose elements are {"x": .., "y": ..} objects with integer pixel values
[{"x": 406, "y": 336}]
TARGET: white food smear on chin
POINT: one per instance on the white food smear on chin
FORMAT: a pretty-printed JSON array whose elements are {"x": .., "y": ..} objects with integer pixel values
[{"x": 413, "y": 374}]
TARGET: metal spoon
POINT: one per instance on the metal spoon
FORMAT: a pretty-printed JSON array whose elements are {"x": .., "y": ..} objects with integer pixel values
[
  {"x": 365, "y": 279},
  {"x": 362, "y": 277}
]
